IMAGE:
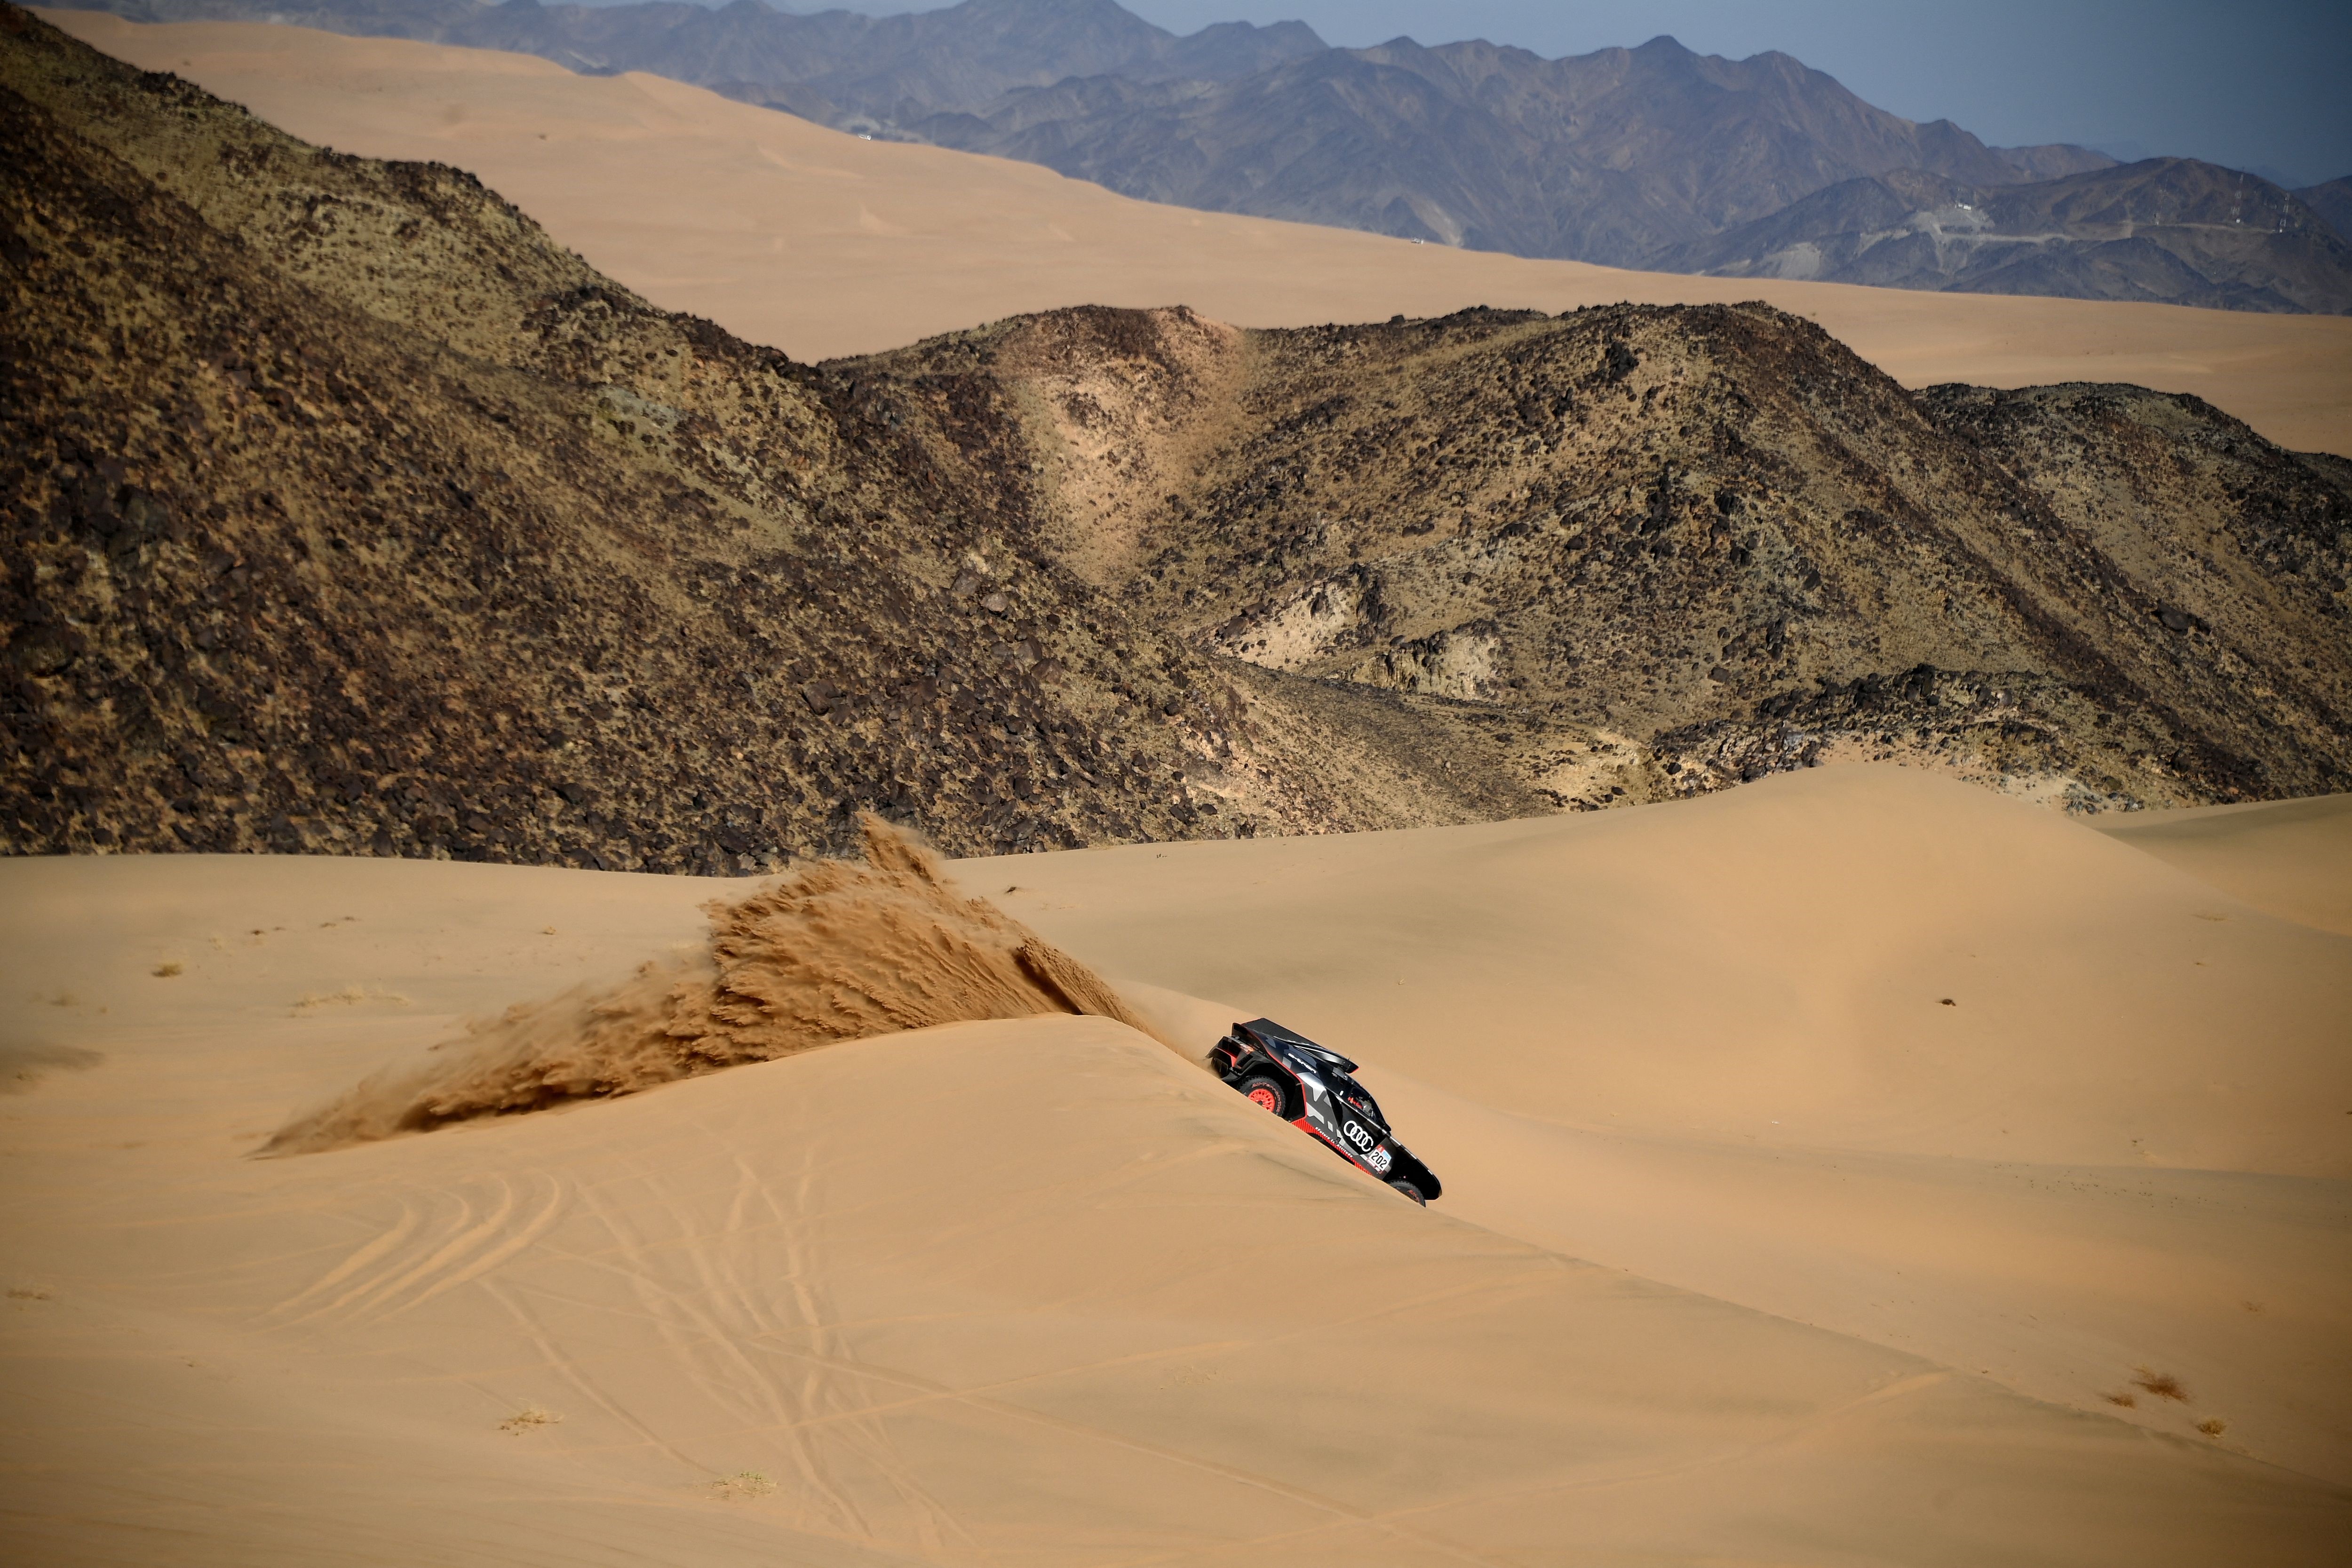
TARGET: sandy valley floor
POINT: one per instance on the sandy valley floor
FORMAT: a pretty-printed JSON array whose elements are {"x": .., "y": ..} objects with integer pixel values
[
  {"x": 1754, "y": 1249},
  {"x": 821, "y": 244}
]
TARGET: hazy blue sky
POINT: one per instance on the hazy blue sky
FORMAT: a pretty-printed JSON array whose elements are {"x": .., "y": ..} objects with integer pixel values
[{"x": 2258, "y": 84}]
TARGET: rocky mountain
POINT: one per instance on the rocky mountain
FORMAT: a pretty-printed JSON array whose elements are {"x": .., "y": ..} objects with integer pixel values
[
  {"x": 844, "y": 68},
  {"x": 2168, "y": 229},
  {"x": 1646, "y": 550},
  {"x": 2331, "y": 201},
  {"x": 345, "y": 512}
]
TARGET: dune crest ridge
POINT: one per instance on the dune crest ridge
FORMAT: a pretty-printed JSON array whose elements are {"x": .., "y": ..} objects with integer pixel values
[{"x": 838, "y": 951}]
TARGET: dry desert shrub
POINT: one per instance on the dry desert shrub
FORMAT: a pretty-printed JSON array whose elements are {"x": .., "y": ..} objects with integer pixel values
[
  {"x": 349, "y": 996},
  {"x": 527, "y": 1417},
  {"x": 2163, "y": 1384},
  {"x": 2212, "y": 1427},
  {"x": 840, "y": 951},
  {"x": 744, "y": 1486}
]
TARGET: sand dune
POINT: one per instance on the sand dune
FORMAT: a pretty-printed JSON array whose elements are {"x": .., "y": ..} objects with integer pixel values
[
  {"x": 1037, "y": 1291},
  {"x": 2288, "y": 857},
  {"x": 1772, "y": 966},
  {"x": 824, "y": 244},
  {"x": 1712, "y": 1046}
]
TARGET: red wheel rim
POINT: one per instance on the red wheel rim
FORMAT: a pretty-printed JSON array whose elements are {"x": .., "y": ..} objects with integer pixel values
[{"x": 1265, "y": 1095}]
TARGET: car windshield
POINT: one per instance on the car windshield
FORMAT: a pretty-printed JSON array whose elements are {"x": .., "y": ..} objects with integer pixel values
[{"x": 1357, "y": 1095}]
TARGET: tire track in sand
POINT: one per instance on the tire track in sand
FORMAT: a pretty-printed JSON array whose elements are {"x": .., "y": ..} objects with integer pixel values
[{"x": 413, "y": 1261}]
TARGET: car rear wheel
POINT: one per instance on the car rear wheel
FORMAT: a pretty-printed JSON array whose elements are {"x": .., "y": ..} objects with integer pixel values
[
  {"x": 1409, "y": 1190},
  {"x": 1264, "y": 1092}
]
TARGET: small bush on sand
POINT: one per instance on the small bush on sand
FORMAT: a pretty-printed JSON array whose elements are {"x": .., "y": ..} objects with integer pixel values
[
  {"x": 2163, "y": 1384},
  {"x": 529, "y": 1417},
  {"x": 744, "y": 1485}
]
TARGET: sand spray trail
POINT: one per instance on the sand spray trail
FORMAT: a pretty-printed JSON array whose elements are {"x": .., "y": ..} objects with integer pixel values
[{"x": 839, "y": 950}]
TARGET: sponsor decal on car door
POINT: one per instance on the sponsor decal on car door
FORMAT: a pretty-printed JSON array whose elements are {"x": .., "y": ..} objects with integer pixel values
[{"x": 1368, "y": 1146}]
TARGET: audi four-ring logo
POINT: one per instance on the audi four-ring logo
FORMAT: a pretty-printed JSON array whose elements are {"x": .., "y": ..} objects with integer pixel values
[{"x": 1358, "y": 1136}]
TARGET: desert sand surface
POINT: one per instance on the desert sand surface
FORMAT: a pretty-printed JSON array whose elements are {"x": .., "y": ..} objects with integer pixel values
[
  {"x": 2290, "y": 857},
  {"x": 1751, "y": 1249},
  {"x": 824, "y": 244}
]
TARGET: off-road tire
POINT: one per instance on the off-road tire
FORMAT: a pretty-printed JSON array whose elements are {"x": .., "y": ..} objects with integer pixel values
[
  {"x": 1409, "y": 1190},
  {"x": 1253, "y": 1087}
]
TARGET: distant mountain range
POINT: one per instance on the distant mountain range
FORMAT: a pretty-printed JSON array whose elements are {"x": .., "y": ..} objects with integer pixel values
[
  {"x": 1653, "y": 157},
  {"x": 2169, "y": 230},
  {"x": 1603, "y": 157}
]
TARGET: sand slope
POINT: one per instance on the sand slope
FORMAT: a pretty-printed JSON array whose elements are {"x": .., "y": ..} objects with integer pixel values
[
  {"x": 1769, "y": 965},
  {"x": 823, "y": 245},
  {"x": 2291, "y": 858},
  {"x": 1708, "y": 1043},
  {"x": 1039, "y": 1292}
]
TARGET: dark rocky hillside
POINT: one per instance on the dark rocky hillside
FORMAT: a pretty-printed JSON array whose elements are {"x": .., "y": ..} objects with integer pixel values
[
  {"x": 344, "y": 512},
  {"x": 2333, "y": 201},
  {"x": 2168, "y": 229},
  {"x": 1650, "y": 551}
]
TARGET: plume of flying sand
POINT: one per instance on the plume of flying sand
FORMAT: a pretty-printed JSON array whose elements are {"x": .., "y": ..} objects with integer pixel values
[{"x": 838, "y": 951}]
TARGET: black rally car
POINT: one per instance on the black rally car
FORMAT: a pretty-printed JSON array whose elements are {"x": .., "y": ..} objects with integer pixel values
[{"x": 1309, "y": 1086}]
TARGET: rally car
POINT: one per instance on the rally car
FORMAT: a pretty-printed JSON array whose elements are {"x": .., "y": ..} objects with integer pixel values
[{"x": 1309, "y": 1086}]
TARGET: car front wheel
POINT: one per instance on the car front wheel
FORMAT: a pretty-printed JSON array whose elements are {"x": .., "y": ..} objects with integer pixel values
[
  {"x": 1409, "y": 1190},
  {"x": 1264, "y": 1092}
]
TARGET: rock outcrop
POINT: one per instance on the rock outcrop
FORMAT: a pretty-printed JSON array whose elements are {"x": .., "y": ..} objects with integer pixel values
[{"x": 1656, "y": 549}]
